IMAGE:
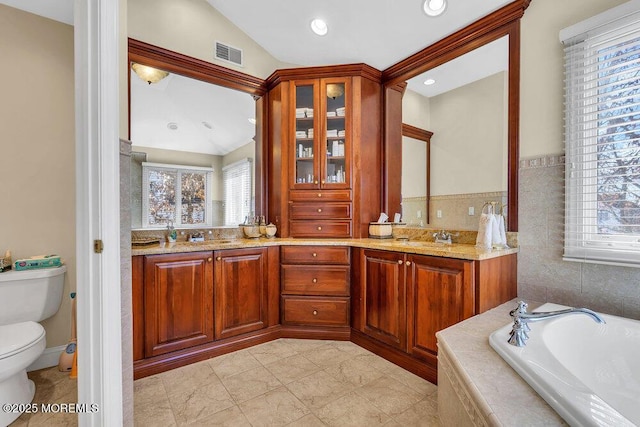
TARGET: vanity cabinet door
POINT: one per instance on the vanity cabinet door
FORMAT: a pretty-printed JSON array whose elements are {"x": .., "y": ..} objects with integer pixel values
[
  {"x": 241, "y": 291},
  {"x": 178, "y": 301},
  {"x": 440, "y": 293},
  {"x": 382, "y": 285}
]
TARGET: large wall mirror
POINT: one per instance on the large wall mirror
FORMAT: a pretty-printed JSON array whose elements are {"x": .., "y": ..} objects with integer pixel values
[
  {"x": 197, "y": 143},
  {"x": 472, "y": 110}
]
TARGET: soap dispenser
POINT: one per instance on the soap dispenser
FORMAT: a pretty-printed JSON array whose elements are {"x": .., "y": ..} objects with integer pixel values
[{"x": 172, "y": 234}]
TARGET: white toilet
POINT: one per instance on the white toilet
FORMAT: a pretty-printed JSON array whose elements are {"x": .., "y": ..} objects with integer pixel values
[{"x": 26, "y": 297}]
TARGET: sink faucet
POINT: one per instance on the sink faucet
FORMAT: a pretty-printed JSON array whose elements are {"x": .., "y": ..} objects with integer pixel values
[
  {"x": 442, "y": 237},
  {"x": 521, "y": 319}
]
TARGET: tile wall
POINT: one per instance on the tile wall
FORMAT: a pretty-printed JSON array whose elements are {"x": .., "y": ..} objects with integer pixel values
[{"x": 542, "y": 274}]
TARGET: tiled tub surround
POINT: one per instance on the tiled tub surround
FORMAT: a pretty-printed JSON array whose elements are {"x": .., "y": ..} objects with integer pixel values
[
  {"x": 476, "y": 386},
  {"x": 542, "y": 274}
]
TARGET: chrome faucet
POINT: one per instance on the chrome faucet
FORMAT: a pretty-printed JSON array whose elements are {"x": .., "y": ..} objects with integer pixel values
[
  {"x": 442, "y": 237},
  {"x": 521, "y": 319}
]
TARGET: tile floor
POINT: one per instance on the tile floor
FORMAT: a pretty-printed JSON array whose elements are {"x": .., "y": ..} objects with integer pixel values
[{"x": 287, "y": 382}]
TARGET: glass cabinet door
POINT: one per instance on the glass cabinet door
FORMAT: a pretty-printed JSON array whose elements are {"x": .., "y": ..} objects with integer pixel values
[
  {"x": 305, "y": 164},
  {"x": 335, "y": 144}
]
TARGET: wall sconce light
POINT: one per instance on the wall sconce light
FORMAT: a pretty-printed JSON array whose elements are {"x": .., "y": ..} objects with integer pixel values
[
  {"x": 434, "y": 7},
  {"x": 149, "y": 74},
  {"x": 334, "y": 90}
]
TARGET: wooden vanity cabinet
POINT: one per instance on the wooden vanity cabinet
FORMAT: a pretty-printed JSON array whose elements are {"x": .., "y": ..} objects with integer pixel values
[
  {"x": 315, "y": 289},
  {"x": 178, "y": 301},
  {"x": 240, "y": 295},
  {"x": 326, "y": 157}
]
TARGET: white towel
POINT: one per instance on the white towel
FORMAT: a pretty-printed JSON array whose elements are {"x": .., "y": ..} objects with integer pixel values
[
  {"x": 495, "y": 231},
  {"x": 485, "y": 230},
  {"x": 502, "y": 231}
]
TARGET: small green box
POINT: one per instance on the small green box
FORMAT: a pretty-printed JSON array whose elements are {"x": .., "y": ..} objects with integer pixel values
[{"x": 40, "y": 262}]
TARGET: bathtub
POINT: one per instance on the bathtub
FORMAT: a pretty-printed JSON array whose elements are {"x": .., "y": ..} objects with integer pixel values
[{"x": 588, "y": 372}]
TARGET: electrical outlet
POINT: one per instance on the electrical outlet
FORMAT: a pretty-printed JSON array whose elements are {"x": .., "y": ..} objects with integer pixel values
[
  {"x": 439, "y": 213},
  {"x": 419, "y": 214},
  {"x": 472, "y": 211}
]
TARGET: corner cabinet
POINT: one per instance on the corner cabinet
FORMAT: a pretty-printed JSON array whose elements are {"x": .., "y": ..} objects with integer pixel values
[{"x": 325, "y": 164}]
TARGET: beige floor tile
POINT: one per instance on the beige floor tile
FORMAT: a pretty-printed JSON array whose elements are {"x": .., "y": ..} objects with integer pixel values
[
  {"x": 420, "y": 385},
  {"x": 327, "y": 355},
  {"x": 351, "y": 410},
  {"x": 270, "y": 352},
  {"x": 187, "y": 378},
  {"x": 422, "y": 414},
  {"x": 292, "y": 368},
  {"x": 151, "y": 405},
  {"x": 249, "y": 384},
  {"x": 52, "y": 384},
  {"x": 309, "y": 420},
  {"x": 278, "y": 407},
  {"x": 319, "y": 389},
  {"x": 202, "y": 401},
  {"x": 233, "y": 363},
  {"x": 349, "y": 347},
  {"x": 303, "y": 345},
  {"x": 231, "y": 417},
  {"x": 390, "y": 395},
  {"x": 354, "y": 371}
]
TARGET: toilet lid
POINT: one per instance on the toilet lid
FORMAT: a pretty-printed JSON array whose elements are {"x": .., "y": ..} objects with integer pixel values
[{"x": 18, "y": 336}]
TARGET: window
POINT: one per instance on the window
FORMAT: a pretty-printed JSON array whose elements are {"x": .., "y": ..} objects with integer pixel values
[
  {"x": 602, "y": 138},
  {"x": 237, "y": 182},
  {"x": 180, "y": 194}
]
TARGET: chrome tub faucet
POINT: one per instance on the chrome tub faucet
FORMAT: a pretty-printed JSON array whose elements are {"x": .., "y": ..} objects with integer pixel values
[{"x": 521, "y": 319}]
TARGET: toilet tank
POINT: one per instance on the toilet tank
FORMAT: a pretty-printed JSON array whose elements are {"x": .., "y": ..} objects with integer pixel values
[{"x": 30, "y": 294}]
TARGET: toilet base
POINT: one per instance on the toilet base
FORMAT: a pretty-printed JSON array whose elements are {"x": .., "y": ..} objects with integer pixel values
[{"x": 17, "y": 389}]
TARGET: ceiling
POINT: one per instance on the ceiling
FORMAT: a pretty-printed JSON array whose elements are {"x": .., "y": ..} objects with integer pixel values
[{"x": 377, "y": 32}]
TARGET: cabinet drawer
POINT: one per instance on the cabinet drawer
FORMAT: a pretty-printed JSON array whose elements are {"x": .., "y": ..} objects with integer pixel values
[
  {"x": 314, "y": 255},
  {"x": 335, "y": 229},
  {"x": 320, "y": 210},
  {"x": 320, "y": 195},
  {"x": 315, "y": 311},
  {"x": 315, "y": 280}
]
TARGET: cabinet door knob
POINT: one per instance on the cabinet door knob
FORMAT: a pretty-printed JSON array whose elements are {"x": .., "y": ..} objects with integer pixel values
[
  {"x": 315, "y": 280},
  {"x": 314, "y": 254},
  {"x": 408, "y": 263},
  {"x": 319, "y": 228},
  {"x": 315, "y": 182},
  {"x": 218, "y": 258},
  {"x": 209, "y": 259},
  {"x": 323, "y": 181},
  {"x": 319, "y": 210},
  {"x": 315, "y": 312},
  {"x": 400, "y": 262}
]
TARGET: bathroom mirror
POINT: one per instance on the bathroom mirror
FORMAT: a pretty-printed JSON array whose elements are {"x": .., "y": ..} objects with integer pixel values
[
  {"x": 474, "y": 148},
  {"x": 199, "y": 116},
  {"x": 464, "y": 104},
  {"x": 415, "y": 188}
]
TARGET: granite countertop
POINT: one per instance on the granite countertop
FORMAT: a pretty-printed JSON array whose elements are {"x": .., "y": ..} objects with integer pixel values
[
  {"x": 499, "y": 394},
  {"x": 460, "y": 251}
]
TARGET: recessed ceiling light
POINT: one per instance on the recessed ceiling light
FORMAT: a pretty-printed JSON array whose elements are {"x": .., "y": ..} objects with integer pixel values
[
  {"x": 172, "y": 126},
  {"x": 319, "y": 27},
  {"x": 429, "y": 82},
  {"x": 434, "y": 7}
]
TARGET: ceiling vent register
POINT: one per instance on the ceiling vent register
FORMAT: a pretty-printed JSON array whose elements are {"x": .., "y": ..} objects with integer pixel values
[{"x": 228, "y": 53}]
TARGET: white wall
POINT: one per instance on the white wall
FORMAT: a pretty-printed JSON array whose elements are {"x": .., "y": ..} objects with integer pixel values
[{"x": 37, "y": 155}]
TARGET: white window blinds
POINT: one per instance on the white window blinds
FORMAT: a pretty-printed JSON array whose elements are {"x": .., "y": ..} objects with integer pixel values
[
  {"x": 602, "y": 140},
  {"x": 237, "y": 183}
]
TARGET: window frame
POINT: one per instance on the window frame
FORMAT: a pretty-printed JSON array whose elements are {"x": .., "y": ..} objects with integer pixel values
[{"x": 179, "y": 169}]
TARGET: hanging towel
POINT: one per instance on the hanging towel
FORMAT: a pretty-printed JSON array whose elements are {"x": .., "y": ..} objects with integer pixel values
[
  {"x": 502, "y": 231},
  {"x": 495, "y": 231},
  {"x": 484, "y": 231}
]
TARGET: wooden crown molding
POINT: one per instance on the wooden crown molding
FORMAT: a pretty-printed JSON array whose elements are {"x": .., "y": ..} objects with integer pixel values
[
  {"x": 362, "y": 70},
  {"x": 416, "y": 133}
]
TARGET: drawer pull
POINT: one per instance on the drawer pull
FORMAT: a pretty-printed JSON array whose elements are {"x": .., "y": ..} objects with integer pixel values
[
  {"x": 314, "y": 255},
  {"x": 400, "y": 262},
  {"x": 319, "y": 228},
  {"x": 315, "y": 312},
  {"x": 319, "y": 210},
  {"x": 315, "y": 280},
  {"x": 218, "y": 258},
  {"x": 319, "y": 194},
  {"x": 408, "y": 263}
]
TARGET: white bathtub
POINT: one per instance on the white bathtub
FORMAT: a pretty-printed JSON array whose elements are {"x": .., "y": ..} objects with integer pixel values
[{"x": 588, "y": 372}]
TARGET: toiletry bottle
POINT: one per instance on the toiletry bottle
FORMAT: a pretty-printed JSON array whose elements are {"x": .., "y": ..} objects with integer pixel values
[{"x": 172, "y": 234}]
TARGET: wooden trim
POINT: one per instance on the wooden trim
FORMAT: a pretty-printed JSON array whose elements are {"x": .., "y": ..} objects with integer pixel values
[
  {"x": 513, "y": 127},
  {"x": 416, "y": 133},
  {"x": 309, "y": 73},
  {"x": 341, "y": 333}
]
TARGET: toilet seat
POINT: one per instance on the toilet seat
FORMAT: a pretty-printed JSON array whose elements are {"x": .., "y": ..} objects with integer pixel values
[{"x": 18, "y": 337}]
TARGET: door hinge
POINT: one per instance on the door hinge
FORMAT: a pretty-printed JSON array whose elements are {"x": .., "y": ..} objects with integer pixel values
[{"x": 98, "y": 246}]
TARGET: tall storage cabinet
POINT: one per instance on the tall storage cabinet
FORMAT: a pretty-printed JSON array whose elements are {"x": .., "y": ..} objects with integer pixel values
[{"x": 324, "y": 165}]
